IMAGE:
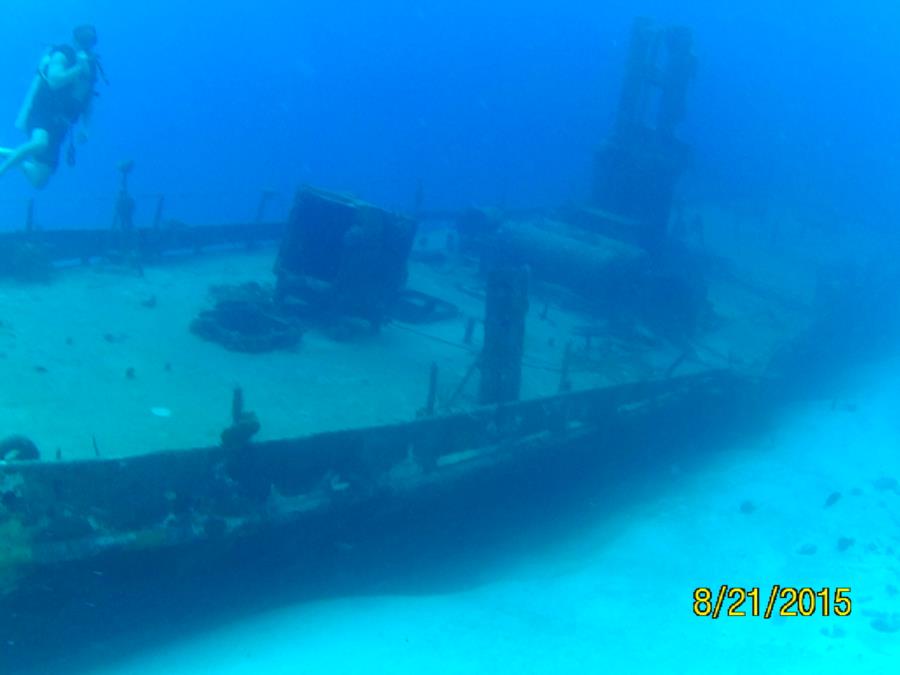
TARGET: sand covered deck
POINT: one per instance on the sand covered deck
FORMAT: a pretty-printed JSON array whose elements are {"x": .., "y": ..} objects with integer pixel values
[{"x": 101, "y": 359}]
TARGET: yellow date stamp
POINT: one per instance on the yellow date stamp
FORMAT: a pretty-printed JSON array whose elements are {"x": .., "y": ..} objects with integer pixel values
[{"x": 786, "y": 601}]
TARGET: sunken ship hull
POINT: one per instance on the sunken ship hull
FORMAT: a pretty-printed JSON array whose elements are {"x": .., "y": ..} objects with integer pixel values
[
  {"x": 67, "y": 525},
  {"x": 346, "y": 512},
  {"x": 95, "y": 512},
  {"x": 656, "y": 371}
]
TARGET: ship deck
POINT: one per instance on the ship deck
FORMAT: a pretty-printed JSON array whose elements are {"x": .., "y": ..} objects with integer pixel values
[{"x": 67, "y": 348}]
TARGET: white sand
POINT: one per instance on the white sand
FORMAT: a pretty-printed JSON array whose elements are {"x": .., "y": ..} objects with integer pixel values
[{"x": 618, "y": 600}]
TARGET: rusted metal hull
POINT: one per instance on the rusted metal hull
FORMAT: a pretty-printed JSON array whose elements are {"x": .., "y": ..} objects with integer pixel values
[
  {"x": 105, "y": 547},
  {"x": 60, "y": 513},
  {"x": 145, "y": 243}
]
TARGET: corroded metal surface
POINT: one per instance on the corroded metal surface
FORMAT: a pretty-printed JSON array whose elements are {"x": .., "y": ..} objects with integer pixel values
[
  {"x": 17, "y": 248},
  {"x": 60, "y": 512}
]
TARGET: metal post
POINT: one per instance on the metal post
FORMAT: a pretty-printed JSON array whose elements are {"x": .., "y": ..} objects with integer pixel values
[
  {"x": 504, "y": 333},
  {"x": 470, "y": 331},
  {"x": 264, "y": 198},
  {"x": 157, "y": 217},
  {"x": 432, "y": 390},
  {"x": 565, "y": 384}
]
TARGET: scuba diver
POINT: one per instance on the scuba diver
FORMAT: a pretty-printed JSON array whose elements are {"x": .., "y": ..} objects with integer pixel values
[{"x": 60, "y": 96}]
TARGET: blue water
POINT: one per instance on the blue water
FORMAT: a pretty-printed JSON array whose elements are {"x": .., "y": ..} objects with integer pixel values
[
  {"x": 793, "y": 108},
  {"x": 793, "y": 117}
]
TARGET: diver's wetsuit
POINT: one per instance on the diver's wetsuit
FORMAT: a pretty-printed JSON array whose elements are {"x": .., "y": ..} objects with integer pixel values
[{"x": 54, "y": 111}]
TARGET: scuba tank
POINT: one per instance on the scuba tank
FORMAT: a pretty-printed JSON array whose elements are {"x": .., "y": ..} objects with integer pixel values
[{"x": 40, "y": 78}]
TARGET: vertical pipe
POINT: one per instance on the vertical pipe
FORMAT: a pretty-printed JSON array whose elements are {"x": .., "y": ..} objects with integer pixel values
[
  {"x": 157, "y": 217},
  {"x": 470, "y": 331},
  {"x": 504, "y": 333},
  {"x": 264, "y": 198},
  {"x": 565, "y": 384},
  {"x": 432, "y": 390}
]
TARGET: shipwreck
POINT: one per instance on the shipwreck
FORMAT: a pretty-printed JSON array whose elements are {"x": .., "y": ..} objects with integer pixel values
[{"x": 557, "y": 352}]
